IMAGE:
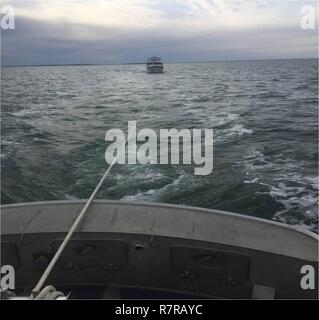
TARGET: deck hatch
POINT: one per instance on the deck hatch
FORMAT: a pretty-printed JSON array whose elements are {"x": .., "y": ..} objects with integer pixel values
[
  {"x": 207, "y": 263},
  {"x": 93, "y": 254}
]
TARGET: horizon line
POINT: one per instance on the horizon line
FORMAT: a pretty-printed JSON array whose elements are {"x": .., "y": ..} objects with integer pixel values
[{"x": 138, "y": 63}]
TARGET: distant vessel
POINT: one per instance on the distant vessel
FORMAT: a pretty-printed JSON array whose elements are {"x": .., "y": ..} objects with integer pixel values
[{"x": 154, "y": 65}]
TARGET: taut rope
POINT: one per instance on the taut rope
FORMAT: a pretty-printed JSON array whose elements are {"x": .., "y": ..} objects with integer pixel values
[{"x": 79, "y": 218}]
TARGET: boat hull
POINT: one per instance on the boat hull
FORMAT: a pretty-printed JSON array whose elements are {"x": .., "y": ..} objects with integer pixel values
[
  {"x": 166, "y": 248},
  {"x": 155, "y": 69}
]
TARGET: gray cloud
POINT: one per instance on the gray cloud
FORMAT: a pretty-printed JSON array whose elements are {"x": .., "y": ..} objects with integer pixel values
[{"x": 36, "y": 42}]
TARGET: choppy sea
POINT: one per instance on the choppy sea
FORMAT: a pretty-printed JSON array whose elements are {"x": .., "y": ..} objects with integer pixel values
[{"x": 264, "y": 115}]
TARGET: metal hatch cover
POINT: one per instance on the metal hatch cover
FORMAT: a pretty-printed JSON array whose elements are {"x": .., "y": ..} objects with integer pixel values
[
  {"x": 93, "y": 254},
  {"x": 209, "y": 263}
]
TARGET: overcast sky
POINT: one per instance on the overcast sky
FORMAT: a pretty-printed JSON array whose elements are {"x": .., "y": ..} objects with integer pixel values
[{"x": 120, "y": 31}]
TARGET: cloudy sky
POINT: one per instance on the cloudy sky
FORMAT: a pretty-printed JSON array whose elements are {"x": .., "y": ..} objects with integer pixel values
[{"x": 121, "y": 31}]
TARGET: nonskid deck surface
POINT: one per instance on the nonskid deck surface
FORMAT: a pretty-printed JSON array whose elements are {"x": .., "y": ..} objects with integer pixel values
[{"x": 190, "y": 250}]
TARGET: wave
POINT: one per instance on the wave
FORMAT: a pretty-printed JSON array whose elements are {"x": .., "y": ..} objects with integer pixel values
[
  {"x": 300, "y": 205},
  {"x": 175, "y": 185},
  {"x": 297, "y": 194},
  {"x": 139, "y": 196},
  {"x": 237, "y": 130},
  {"x": 223, "y": 118},
  {"x": 201, "y": 99}
]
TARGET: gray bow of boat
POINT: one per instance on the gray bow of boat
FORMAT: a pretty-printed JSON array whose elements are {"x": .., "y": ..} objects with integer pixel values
[{"x": 129, "y": 249}]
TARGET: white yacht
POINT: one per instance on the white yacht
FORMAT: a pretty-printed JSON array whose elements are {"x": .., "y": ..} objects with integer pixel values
[{"x": 154, "y": 65}]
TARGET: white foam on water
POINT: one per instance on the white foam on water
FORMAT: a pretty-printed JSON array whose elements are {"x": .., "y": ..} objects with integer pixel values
[
  {"x": 296, "y": 193},
  {"x": 139, "y": 196},
  {"x": 255, "y": 160},
  {"x": 25, "y": 112},
  {"x": 255, "y": 155},
  {"x": 300, "y": 205},
  {"x": 239, "y": 129},
  {"x": 175, "y": 186},
  {"x": 71, "y": 197},
  {"x": 139, "y": 172},
  {"x": 255, "y": 180},
  {"x": 313, "y": 181},
  {"x": 223, "y": 118},
  {"x": 236, "y": 130}
]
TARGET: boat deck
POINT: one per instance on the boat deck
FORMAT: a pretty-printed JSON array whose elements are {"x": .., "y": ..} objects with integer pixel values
[
  {"x": 165, "y": 220},
  {"x": 188, "y": 250}
]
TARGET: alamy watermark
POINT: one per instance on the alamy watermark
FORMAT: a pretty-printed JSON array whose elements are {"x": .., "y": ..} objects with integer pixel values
[
  {"x": 185, "y": 146},
  {"x": 308, "y": 17},
  {"x": 7, "y": 17},
  {"x": 308, "y": 280},
  {"x": 7, "y": 278}
]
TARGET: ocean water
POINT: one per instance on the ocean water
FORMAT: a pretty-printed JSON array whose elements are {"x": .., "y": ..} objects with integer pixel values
[{"x": 264, "y": 115}]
